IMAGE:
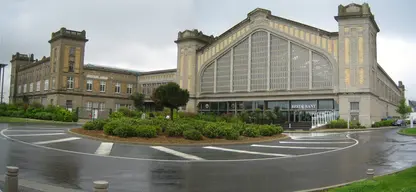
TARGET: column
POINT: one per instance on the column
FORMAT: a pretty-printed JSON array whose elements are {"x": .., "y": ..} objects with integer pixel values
[
  {"x": 289, "y": 52},
  {"x": 215, "y": 76},
  {"x": 310, "y": 69},
  {"x": 231, "y": 69},
  {"x": 249, "y": 65},
  {"x": 2, "y": 84},
  {"x": 268, "y": 61}
]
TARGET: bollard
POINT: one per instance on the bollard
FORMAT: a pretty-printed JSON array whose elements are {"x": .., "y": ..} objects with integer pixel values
[
  {"x": 11, "y": 180},
  {"x": 370, "y": 173},
  {"x": 100, "y": 186}
]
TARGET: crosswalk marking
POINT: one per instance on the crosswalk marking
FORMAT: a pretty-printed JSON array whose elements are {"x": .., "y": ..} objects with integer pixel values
[
  {"x": 293, "y": 147},
  {"x": 39, "y": 134},
  {"x": 176, "y": 153},
  {"x": 61, "y": 131},
  {"x": 248, "y": 152},
  {"x": 56, "y": 141},
  {"x": 314, "y": 142},
  {"x": 104, "y": 148}
]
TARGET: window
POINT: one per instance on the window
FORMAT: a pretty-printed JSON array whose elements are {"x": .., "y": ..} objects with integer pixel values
[
  {"x": 72, "y": 51},
  {"x": 117, "y": 88},
  {"x": 53, "y": 83},
  {"x": 89, "y": 85},
  {"x": 129, "y": 88},
  {"x": 69, "y": 105},
  {"x": 70, "y": 83},
  {"x": 354, "y": 106},
  {"x": 24, "y": 88},
  {"x": 38, "y": 86},
  {"x": 46, "y": 85},
  {"x": 71, "y": 64},
  {"x": 102, "y": 86},
  {"x": 19, "y": 89},
  {"x": 117, "y": 107},
  {"x": 102, "y": 106},
  {"x": 31, "y": 87},
  {"x": 89, "y": 106}
]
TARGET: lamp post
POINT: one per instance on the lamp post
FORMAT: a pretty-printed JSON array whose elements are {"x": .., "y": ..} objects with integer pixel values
[{"x": 2, "y": 68}]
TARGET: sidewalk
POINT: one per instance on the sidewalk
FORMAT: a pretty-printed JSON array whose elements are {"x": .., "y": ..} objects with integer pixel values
[{"x": 30, "y": 186}]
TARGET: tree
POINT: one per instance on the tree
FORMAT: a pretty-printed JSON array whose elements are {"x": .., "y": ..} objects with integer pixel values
[
  {"x": 403, "y": 109},
  {"x": 170, "y": 96},
  {"x": 138, "y": 100}
]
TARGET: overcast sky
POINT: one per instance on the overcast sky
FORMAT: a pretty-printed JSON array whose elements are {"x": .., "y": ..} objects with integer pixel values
[{"x": 138, "y": 34}]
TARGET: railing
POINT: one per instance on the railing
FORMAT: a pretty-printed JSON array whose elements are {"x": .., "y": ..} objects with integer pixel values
[{"x": 320, "y": 119}]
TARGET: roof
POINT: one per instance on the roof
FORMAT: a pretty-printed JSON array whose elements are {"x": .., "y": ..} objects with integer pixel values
[
  {"x": 388, "y": 76},
  {"x": 33, "y": 64},
  {"x": 158, "y": 71},
  {"x": 272, "y": 17},
  {"x": 110, "y": 69}
]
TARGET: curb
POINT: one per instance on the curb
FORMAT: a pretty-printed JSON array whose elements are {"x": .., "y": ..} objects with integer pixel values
[
  {"x": 347, "y": 183},
  {"x": 339, "y": 130},
  {"x": 176, "y": 144},
  {"x": 41, "y": 187}
]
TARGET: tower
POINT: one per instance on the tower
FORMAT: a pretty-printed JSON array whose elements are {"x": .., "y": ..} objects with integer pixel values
[
  {"x": 357, "y": 61},
  {"x": 17, "y": 61},
  {"x": 66, "y": 63},
  {"x": 186, "y": 75}
]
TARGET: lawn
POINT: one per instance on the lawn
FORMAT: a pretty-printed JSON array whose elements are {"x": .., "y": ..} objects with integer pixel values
[
  {"x": 27, "y": 120},
  {"x": 403, "y": 181},
  {"x": 408, "y": 131}
]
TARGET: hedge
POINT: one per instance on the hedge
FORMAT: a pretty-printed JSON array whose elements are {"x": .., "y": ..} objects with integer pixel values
[
  {"x": 38, "y": 111},
  {"x": 189, "y": 126}
]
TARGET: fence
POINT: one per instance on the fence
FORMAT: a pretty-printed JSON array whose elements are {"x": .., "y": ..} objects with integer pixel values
[{"x": 89, "y": 113}]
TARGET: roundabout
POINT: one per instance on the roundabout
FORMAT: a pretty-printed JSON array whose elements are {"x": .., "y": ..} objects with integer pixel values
[
  {"x": 52, "y": 155},
  {"x": 296, "y": 145}
]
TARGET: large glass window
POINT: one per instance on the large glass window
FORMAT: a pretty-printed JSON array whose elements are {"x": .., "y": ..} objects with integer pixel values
[
  {"x": 70, "y": 83},
  {"x": 248, "y": 105},
  {"x": 222, "y": 106},
  {"x": 325, "y": 104},
  {"x": 89, "y": 85},
  {"x": 282, "y": 105},
  {"x": 259, "y": 105},
  {"x": 46, "y": 84}
]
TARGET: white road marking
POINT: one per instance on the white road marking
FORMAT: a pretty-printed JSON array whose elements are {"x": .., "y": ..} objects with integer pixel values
[
  {"x": 36, "y": 130},
  {"x": 249, "y": 152},
  {"x": 39, "y": 134},
  {"x": 176, "y": 153},
  {"x": 319, "y": 139},
  {"x": 56, "y": 141},
  {"x": 302, "y": 142},
  {"x": 292, "y": 147},
  {"x": 104, "y": 148}
]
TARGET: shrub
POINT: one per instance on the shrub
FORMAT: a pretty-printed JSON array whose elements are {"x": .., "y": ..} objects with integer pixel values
[
  {"x": 117, "y": 114},
  {"x": 148, "y": 131},
  {"x": 89, "y": 125},
  {"x": 251, "y": 130},
  {"x": 192, "y": 134},
  {"x": 340, "y": 123},
  {"x": 213, "y": 130},
  {"x": 267, "y": 130},
  {"x": 231, "y": 133},
  {"x": 125, "y": 131},
  {"x": 174, "y": 130},
  {"x": 112, "y": 125}
]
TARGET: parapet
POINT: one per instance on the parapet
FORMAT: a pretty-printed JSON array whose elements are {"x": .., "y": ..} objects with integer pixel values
[
  {"x": 356, "y": 11},
  {"x": 23, "y": 57},
  {"x": 69, "y": 34},
  {"x": 194, "y": 35}
]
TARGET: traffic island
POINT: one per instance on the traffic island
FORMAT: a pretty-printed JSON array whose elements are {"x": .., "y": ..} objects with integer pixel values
[
  {"x": 164, "y": 139},
  {"x": 408, "y": 131}
]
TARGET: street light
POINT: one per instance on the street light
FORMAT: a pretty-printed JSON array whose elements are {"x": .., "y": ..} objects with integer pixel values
[{"x": 2, "y": 68}]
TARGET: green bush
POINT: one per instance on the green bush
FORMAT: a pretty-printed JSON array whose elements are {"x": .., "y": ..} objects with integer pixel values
[
  {"x": 115, "y": 115},
  {"x": 174, "y": 130},
  {"x": 231, "y": 133},
  {"x": 88, "y": 125},
  {"x": 213, "y": 130},
  {"x": 148, "y": 131},
  {"x": 251, "y": 130},
  {"x": 267, "y": 130},
  {"x": 192, "y": 134},
  {"x": 384, "y": 123},
  {"x": 126, "y": 130},
  {"x": 111, "y": 125},
  {"x": 340, "y": 123}
]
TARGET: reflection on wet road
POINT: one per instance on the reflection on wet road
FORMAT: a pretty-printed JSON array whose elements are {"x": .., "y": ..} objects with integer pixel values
[{"x": 383, "y": 150}]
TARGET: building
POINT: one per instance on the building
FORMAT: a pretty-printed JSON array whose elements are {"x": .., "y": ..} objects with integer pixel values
[
  {"x": 261, "y": 63},
  {"x": 266, "y": 61},
  {"x": 63, "y": 79}
]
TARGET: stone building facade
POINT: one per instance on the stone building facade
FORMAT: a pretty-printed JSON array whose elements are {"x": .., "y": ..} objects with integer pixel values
[
  {"x": 267, "y": 61},
  {"x": 261, "y": 63},
  {"x": 63, "y": 79}
]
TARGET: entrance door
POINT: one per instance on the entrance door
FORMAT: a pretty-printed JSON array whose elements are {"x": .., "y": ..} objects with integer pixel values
[{"x": 300, "y": 116}]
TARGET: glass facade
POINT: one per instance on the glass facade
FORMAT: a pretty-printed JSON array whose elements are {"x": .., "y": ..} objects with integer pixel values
[{"x": 295, "y": 110}]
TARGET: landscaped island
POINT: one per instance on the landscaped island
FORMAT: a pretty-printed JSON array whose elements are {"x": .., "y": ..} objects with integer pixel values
[{"x": 125, "y": 124}]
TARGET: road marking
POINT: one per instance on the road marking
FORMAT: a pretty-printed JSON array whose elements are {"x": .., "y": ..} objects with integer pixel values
[
  {"x": 104, "y": 148},
  {"x": 249, "y": 152},
  {"x": 39, "y": 134},
  {"x": 302, "y": 142},
  {"x": 177, "y": 153},
  {"x": 292, "y": 147},
  {"x": 36, "y": 131},
  {"x": 56, "y": 141},
  {"x": 319, "y": 139}
]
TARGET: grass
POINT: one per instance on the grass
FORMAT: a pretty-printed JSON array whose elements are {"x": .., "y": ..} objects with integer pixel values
[
  {"x": 403, "y": 181},
  {"x": 27, "y": 120},
  {"x": 408, "y": 131}
]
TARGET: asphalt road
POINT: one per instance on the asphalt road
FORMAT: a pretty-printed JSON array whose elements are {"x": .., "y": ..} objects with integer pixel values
[{"x": 48, "y": 154}]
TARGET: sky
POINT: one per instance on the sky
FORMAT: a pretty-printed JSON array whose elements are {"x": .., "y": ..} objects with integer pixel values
[{"x": 139, "y": 35}]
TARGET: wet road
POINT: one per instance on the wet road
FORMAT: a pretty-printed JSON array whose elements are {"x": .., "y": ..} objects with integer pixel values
[{"x": 323, "y": 160}]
